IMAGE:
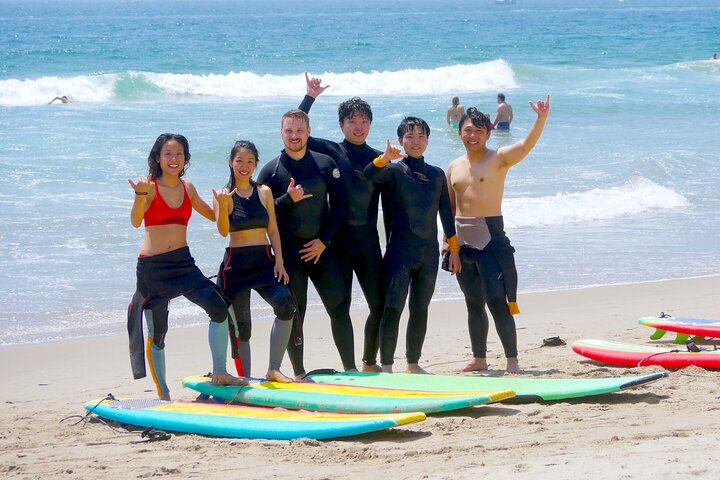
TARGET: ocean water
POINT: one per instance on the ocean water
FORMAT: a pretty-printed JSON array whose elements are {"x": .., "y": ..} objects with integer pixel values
[{"x": 623, "y": 186}]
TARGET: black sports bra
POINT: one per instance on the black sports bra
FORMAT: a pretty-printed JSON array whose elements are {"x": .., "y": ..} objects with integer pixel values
[{"x": 248, "y": 213}]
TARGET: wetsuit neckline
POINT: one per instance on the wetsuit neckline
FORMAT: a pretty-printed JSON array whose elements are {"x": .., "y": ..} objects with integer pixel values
[{"x": 414, "y": 163}]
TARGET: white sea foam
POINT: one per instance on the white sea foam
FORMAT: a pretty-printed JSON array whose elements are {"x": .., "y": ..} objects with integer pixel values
[
  {"x": 462, "y": 78},
  {"x": 634, "y": 197}
]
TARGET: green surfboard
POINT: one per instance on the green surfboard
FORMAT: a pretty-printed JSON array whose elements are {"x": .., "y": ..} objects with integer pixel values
[{"x": 526, "y": 389}]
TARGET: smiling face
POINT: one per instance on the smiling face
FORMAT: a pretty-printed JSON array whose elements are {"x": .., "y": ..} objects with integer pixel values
[
  {"x": 172, "y": 158},
  {"x": 243, "y": 165},
  {"x": 295, "y": 132},
  {"x": 414, "y": 142},
  {"x": 356, "y": 128},
  {"x": 473, "y": 137}
]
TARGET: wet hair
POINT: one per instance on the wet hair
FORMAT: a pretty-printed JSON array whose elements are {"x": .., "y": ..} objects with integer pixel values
[
  {"x": 409, "y": 124},
  {"x": 478, "y": 118},
  {"x": 297, "y": 114},
  {"x": 501, "y": 96},
  {"x": 455, "y": 100},
  {"x": 241, "y": 145},
  {"x": 154, "y": 156},
  {"x": 352, "y": 107}
]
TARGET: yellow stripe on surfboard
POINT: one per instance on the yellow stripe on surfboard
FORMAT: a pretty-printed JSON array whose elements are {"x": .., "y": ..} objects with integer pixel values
[{"x": 494, "y": 395}]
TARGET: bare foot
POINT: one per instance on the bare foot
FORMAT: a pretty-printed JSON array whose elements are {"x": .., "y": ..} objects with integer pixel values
[
  {"x": 387, "y": 368},
  {"x": 371, "y": 368},
  {"x": 512, "y": 365},
  {"x": 227, "y": 379},
  {"x": 415, "y": 368},
  {"x": 302, "y": 377},
  {"x": 277, "y": 376},
  {"x": 477, "y": 364}
]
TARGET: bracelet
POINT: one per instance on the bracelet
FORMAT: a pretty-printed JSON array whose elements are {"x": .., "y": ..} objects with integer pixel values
[{"x": 141, "y": 193}]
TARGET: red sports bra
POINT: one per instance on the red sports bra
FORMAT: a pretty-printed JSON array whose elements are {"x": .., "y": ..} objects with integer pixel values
[{"x": 160, "y": 213}]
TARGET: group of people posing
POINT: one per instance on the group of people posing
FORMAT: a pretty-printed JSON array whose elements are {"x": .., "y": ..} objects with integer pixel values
[{"x": 312, "y": 215}]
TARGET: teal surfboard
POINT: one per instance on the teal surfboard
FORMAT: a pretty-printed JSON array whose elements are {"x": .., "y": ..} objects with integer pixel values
[
  {"x": 239, "y": 421},
  {"x": 526, "y": 389},
  {"x": 344, "y": 398}
]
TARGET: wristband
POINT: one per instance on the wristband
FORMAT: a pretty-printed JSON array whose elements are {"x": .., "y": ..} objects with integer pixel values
[
  {"x": 454, "y": 245},
  {"x": 379, "y": 163},
  {"x": 141, "y": 193}
]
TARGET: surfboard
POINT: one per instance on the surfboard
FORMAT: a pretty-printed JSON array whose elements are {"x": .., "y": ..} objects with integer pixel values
[
  {"x": 630, "y": 355},
  {"x": 345, "y": 398},
  {"x": 240, "y": 421},
  {"x": 526, "y": 389},
  {"x": 683, "y": 326}
]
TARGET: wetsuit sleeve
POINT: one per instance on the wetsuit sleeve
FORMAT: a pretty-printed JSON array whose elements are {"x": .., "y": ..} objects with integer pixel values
[
  {"x": 265, "y": 177},
  {"x": 337, "y": 194},
  {"x": 306, "y": 103},
  {"x": 446, "y": 215},
  {"x": 379, "y": 175}
]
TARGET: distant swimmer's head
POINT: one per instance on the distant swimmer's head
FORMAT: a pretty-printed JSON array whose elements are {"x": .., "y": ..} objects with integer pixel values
[
  {"x": 413, "y": 134},
  {"x": 295, "y": 131},
  {"x": 170, "y": 151},
  {"x": 474, "y": 128},
  {"x": 714, "y": 56},
  {"x": 501, "y": 97},
  {"x": 243, "y": 160},
  {"x": 455, "y": 101},
  {"x": 355, "y": 117}
]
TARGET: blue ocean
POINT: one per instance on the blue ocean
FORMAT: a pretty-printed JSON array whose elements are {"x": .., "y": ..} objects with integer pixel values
[{"x": 624, "y": 185}]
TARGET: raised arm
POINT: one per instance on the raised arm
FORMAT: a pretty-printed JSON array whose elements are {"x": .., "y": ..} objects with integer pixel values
[
  {"x": 222, "y": 206},
  {"x": 142, "y": 192},
  {"x": 375, "y": 170},
  {"x": 313, "y": 89},
  {"x": 513, "y": 154}
]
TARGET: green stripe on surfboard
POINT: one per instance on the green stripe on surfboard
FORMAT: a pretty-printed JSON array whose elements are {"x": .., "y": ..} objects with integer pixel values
[{"x": 526, "y": 389}]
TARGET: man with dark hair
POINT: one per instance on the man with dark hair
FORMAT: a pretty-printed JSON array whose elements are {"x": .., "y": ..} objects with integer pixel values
[
  {"x": 504, "y": 113},
  {"x": 488, "y": 274},
  {"x": 418, "y": 193},
  {"x": 310, "y": 204},
  {"x": 357, "y": 243}
]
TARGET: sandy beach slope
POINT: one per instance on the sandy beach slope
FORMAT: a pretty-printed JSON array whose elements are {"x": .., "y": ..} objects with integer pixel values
[{"x": 663, "y": 430}]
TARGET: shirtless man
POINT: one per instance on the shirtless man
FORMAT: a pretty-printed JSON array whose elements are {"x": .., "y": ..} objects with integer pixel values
[
  {"x": 63, "y": 99},
  {"x": 504, "y": 114},
  {"x": 454, "y": 113},
  {"x": 477, "y": 182}
]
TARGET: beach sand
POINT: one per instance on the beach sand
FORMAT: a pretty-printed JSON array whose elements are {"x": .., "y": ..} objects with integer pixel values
[{"x": 662, "y": 430}]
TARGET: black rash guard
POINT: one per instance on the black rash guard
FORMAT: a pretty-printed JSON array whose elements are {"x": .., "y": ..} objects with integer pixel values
[{"x": 319, "y": 216}]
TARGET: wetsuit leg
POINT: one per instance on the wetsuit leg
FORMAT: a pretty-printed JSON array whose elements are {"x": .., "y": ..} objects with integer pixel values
[
  {"x": 298, "y": 286},
  {"x": 471, "y": 285},
  {"x": 336, "y": 300},
  {"x": 397, "y": 283},
  {"x": 368, "y": 268},
  {"x": 156, "y": 317},
  {"x": 278, "y": 296},
  {"x": 210, "y": 300},
  {"x": 505, "y": 325},
  {"x": 422, "y": 287},
  {"x": 240, "y": 330}
]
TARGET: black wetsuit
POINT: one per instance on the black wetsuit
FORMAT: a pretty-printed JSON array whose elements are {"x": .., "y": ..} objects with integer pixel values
[
  {"x": 252, "y": 267},
  {"x": 316, "y": 217},
  {"x": 488, "y": 275},
  {"x": 418, "y": 192},
  {"x": 357, "y": 242}
]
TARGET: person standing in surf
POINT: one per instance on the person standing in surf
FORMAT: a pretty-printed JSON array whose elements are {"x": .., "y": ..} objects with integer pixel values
[
  {"x": 357, "y": 242},
  {"x": 245, "y": 211},
  {"x": 504, "y": 113},
  {"x": 488, "y": 274},
  {"x": 165, "y": 269},
  {"x": 310, "y": 203},
  {"x": 418, "y": 193},
  {"x": 454, "y": 112}
]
